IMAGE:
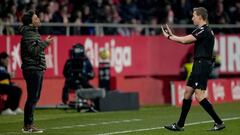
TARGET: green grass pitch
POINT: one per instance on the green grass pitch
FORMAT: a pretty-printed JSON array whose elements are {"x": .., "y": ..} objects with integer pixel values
[{"x": 146, "y": 121}]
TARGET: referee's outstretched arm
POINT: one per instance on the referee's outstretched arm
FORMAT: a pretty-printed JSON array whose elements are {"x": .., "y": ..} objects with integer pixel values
[{"x": 167, "y": 32}]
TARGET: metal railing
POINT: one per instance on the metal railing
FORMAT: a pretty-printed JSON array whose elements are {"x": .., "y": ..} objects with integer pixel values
[{"x": 98, "y": 27}]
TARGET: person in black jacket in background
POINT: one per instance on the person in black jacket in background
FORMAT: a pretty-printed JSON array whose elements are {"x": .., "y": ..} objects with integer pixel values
[
  {"x": 33, "y": 66},
  {"x": 12, "y": 91},
  {"x": 78, "y": 71}
]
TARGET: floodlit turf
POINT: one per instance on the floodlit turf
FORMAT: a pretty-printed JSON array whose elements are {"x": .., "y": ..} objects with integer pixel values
[{"x": 146, "y": 121}]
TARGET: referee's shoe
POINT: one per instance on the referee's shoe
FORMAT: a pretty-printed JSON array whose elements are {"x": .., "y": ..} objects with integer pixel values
[
  {"x": 217, "y": 127},
  {"x": 174, "y": 127}
]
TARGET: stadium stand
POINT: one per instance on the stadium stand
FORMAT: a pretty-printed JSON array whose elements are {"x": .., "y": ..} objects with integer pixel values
[{"x": 115, "y": 12}]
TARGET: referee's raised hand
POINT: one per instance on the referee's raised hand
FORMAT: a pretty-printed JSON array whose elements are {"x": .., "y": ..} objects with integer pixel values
[{"x": 167, "y": 32}]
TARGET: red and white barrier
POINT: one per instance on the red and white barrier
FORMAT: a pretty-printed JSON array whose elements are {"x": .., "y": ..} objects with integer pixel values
[
  {"x": 129, "y": 56},
  {"x": 142, "y": 64},
  {"x": 218, "y": 91}
]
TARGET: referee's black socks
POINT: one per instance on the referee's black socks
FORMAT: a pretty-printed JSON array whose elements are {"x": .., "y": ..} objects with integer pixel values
[
  {"x": 209, "y": 108},
  {"x": 185, "y": 109}
]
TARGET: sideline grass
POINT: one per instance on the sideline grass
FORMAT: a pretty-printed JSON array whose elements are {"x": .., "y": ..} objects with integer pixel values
[{"x": 60, "y": 122}]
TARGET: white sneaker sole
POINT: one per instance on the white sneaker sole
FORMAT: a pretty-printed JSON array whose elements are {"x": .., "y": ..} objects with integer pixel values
[{"x": 29, "y": 132}]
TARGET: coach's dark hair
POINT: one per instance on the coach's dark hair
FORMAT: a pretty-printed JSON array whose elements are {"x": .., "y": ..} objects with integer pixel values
[
  {"x": 27, "y": 17},
  {"x": 201, "y": 11}
]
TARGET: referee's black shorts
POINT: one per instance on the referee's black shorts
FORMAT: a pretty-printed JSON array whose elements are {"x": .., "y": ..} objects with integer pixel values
[{"x": 200, "y": 73}]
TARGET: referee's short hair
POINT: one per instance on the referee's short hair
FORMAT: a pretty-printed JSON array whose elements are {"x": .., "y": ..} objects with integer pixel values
[
  {"x": 27, "y": 17},
  {"x": 201, "y": 11}
]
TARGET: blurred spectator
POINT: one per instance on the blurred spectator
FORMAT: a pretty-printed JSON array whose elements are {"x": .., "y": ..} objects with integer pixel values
[
  {"x": 87, "y": 14},
  {"x": 124, "y": 31},
  {"x": 237, "y": 13},
  {"x": 116, "y": 11},
  {"x": 234, "y": 11},
  {"x": 66, "y": 3},
  {"x": 111, "y": 16},
  {"x": 129, "y": 10},
  {"x": 147, "y": 9},
  {"x": 42, "y": 5},
  {"x": 219, "y": 17},
  {"x": 183, "y": 11},
  {"x": 52, "y": 7},
  {"x": 162, "y": 10},
  {"x": 187, "y": 67},
  {"x": 136, "y": 30},
  {"x": 98, "y": 11},
  {"x": 236, "y": 20},
  {"x": 76, "y": 18},
  {"x": 44, "y": 17},
  {"x": 87, "y": 18},
  {"x": 116, "y": 18},
  {"x": 12, "y": 91},
  {"x": 32, "y": 5},
  {"x": 61, "y": 16},
  {"x": 8, "y": 29},
  {"x": 216, "y": 66},
  {"x": 200, "y": 3},
  {"x": 170, "y": 15},
  {"x": 12, "y": 9},
  {"x": 154, "y": 31}
]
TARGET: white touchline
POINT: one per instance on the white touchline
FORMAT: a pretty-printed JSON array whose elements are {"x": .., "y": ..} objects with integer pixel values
[
  {"x": 96, "y": 124},
  {"x": 123, "y": 121},
  {"x": 155, "y": 128},
  {"x": 83, "y": 125}
]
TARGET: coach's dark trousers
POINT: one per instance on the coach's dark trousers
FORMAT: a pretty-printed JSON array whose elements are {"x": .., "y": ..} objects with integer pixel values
[{"x": 34, "y": 81}]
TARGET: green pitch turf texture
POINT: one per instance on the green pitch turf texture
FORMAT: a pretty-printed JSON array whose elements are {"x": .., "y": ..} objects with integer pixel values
[{"x": 146, "y": 121}]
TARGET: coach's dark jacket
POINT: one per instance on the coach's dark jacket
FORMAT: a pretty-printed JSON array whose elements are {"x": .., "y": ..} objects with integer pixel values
[{"x": 32, "y": 49}]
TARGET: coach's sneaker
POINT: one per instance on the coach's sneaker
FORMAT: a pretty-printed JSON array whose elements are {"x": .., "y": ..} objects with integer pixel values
[
  {"x": 174, "y": 127},
  {"x": 31, "y": 129},
  {"x": 8, "y": 112},
  {"x": 18, "y": 111},
  {"x": 217, "y": 127}
]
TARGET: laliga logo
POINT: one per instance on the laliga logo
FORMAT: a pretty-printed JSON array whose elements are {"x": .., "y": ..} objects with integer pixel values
[{"x": 120, "y": 56}]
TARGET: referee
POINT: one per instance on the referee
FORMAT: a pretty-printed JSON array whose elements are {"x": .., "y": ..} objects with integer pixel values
[{"x": 203, "y": 39}]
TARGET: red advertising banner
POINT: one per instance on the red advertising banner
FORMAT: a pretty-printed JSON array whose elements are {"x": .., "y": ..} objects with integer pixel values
[
  {"x": 218, "y": 91},
  {"x": 228, "y": 47},
  {"x": 130, "y": 56},
  {"x": 135, "y": 63}
]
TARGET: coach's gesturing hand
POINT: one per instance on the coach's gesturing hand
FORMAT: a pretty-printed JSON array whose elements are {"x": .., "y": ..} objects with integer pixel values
[{"x": 49, "y": 39}]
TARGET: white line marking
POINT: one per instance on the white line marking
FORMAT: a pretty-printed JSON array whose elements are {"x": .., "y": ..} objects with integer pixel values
[
  {"x": 96, "y": 124},
  {"x": 124, "y": 121},
  {"x": 155, "y": 128},
  {"x": 83, "y": 125}
]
